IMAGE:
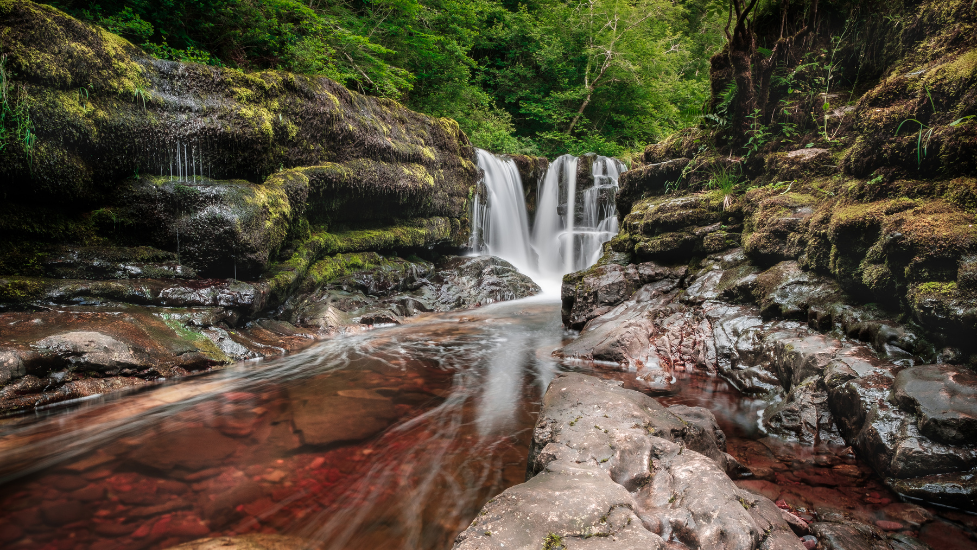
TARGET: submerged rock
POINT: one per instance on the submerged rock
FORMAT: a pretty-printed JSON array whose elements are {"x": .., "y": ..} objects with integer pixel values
[{"x": 256, "y": 541}]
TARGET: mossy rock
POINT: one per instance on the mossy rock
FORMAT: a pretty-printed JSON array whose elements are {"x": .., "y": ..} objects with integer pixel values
[
  {"x": 684, "y": 143},
  {"x": 945, "y": 308},
  {"x": 778, "y": 228},
  {"x": 104, "y": 112}
]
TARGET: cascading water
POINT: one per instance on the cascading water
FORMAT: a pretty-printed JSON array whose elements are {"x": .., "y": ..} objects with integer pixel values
[
  {"x": 500, "y": 222},
  {"x": 571, "y": 224}
]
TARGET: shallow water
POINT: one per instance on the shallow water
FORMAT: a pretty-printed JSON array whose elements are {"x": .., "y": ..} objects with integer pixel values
[{"x": 393, "y": 438}]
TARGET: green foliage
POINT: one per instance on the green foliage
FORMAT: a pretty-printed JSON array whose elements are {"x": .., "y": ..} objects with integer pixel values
[
  {"x": 724, "y": 182},
  {"x": 759, "y": 135},
  {"x": 553, "y": 542},
  {"x": 922, "y": 143},
  {"x": 16, "y": 127},
  {"x": 542, "y": 77}
]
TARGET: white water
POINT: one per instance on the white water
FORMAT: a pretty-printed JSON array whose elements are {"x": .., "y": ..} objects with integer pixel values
[{"x": 570, "y": 227}]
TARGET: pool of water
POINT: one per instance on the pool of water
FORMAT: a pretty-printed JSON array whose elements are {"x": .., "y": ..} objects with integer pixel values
[{"x": 392, "y": 438}]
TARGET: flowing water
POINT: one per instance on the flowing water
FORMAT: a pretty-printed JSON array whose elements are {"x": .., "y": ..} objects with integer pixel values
[
  {"x": 571, "y": 223},
  {"x": 392, "y": 438}
]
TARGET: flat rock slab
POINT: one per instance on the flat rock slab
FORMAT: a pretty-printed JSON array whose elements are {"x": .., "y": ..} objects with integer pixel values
[
  {"x": 192, "y": 449},
  {"x": 89, "y": 349},
  {"x": 326, "y": 416},
  {"x": 944, "y": 397}
]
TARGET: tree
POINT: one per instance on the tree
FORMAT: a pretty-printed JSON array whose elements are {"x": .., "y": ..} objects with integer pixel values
[{"x": 609, "y": 27}]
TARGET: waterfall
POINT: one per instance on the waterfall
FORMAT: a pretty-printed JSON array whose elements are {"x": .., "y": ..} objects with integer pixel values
[
  {"x": 571, "y": 224},
  {"x": 502, "y": 222}
]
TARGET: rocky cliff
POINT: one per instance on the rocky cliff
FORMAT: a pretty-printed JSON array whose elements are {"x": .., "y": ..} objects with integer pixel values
[{"x": 828, "y": 266}]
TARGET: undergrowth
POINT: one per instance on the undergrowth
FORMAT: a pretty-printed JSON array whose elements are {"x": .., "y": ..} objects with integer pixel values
[{"x": 16, "y": 127}]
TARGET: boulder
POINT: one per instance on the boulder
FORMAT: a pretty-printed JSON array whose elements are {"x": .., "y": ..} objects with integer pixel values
[
  {"x": 88, "y": 350},
  {"x": 323, "y": 416},
  {"x": 614, "y": 463},
  {"x": 944, "y": 398},
  {"x": 650, "y": 179},
  {"x": 958, "y": 490}
]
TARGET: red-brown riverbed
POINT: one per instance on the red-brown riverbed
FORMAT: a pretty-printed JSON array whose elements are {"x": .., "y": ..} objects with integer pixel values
[{"x": 393, "y": 438}]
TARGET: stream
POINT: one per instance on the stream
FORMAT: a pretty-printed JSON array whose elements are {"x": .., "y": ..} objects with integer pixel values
[{"x": 392, "y": 438}]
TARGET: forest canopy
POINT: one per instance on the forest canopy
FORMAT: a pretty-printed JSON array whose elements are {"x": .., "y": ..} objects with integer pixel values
[{"x": 541, "y": 76}]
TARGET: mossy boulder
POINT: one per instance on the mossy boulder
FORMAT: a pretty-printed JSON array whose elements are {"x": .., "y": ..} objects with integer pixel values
[
  {"x": 777, "y": 228},
  {"x": 648, "y": 180},
  {"x": 218, "y": 227},
  {"x": 674, "y": 229}
]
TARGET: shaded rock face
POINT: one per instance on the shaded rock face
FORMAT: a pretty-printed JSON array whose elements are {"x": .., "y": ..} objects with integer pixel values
[
  {"x": 824, "y": 386},
  {"x": 651, "y": 179},
  {"x": 612, "y": 468},
  {"x": 395, "y": 290},
  {"x": 532, "y": 170}
]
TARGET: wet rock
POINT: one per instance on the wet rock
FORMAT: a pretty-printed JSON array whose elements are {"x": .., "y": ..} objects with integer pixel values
[
  {"x": 802, "y": 416},
  {"x": 622, "y": 336},
  {"x": 256, "y": 541},
  {"x": 323, "y": 417},
  {"x": 61, "y": 512},
  {"x": 595, "y": 444},
  {"x": 956, "y": 489},
  {"x": 566, "y": 505},
  {"x": 192, "y": 449},
  {"x": 221, "y": 225},
  {"x": 464, "y": 282},
  {"x": 788, "y": 292},
  {"x": 88, "y": 350},
  {"x": 594, "y": 292},
  {"x": 887, "y": 437},
  {"x": 11, "y": 366},
  {"x": 848, "y": 536},
  {"x": 944, "y": 398},
  {"x": 115, "y": 263}
]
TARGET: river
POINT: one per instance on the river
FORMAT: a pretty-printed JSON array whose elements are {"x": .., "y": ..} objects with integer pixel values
[{"x": 392, "y": 438}]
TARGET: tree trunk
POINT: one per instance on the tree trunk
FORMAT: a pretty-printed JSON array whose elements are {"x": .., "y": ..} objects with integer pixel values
[
  {"x": 586, "y": 102},
  {"x": 741, "y": 51}
]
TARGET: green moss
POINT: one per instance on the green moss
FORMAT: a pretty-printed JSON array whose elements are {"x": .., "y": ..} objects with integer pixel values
[
  {"x": 935, "y": 288},
  {"x": 553, "y": 542},
  {"x": 21, "y": 290},
  {"x": 284, "y": 277},
  {"x": 203, "y": 344}
]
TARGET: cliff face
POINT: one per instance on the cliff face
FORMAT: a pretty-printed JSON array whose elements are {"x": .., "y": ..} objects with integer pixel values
[
  {"x": 132, "y": 150},
  {"x": 868, "y": 177},
  {"x": 828, "y": 264}
]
